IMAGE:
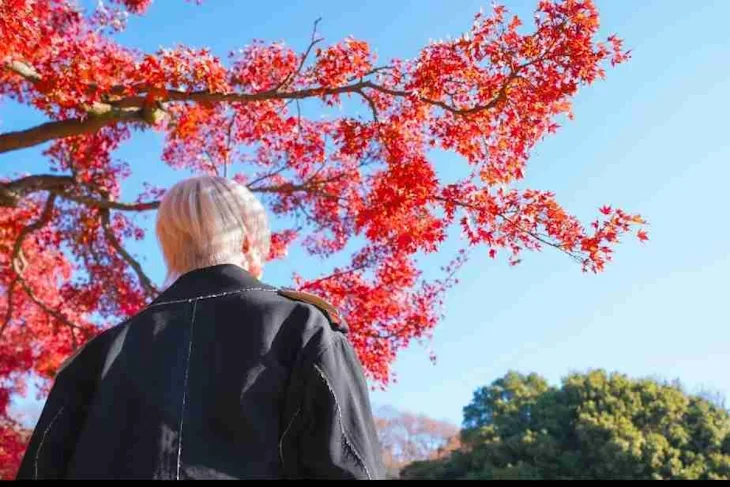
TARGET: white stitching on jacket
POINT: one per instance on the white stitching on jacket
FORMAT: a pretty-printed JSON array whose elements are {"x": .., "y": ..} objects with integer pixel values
[
  {"x": 281, "y": 440},
  {"x": 342, "y": 424},
  {"x": 209, "y": 296},
  {"x": 195, "y": 300},
  {"x": 43, "y": 438},
  {"x": 185, "y": 392}
]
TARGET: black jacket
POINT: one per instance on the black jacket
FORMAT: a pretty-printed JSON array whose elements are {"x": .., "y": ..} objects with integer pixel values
[{"x": 220, "y": 377}]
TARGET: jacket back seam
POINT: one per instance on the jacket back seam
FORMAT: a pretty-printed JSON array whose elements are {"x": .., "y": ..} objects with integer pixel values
[{"x": 185, "y": 392}]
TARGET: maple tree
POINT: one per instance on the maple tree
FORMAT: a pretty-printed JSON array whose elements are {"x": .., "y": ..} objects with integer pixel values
[{"x": 367, "y": 182}]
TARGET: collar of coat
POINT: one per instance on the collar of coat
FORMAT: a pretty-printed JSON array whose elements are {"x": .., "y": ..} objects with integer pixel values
[{"x": 230, "y": 278}]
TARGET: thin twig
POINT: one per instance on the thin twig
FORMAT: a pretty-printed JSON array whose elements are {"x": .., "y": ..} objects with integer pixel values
[
  {"x": 109, "y": 204},
  {"x": 12, "y": 192},
  {"x": 266, "y": 176},
  {"x": 15, "y": 259},
  {"x": 303, "y": 60},
  {"x": 45, "y": 217},
  {"x": 228, "y": 161},
  {"x": 212, "y": 164},
  {"x": 373, "y": 107},
  {"x": 9, "y": 309},
  {"x": 299, "y": 119},
  {"x": 145, "y": 281},
  {"x": 371, "y": 72},
  {"x": 503, "y": 216},
  {"x": 335, "y": 275}
]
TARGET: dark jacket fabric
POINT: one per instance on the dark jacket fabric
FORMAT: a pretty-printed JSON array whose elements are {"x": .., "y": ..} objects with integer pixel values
[{"x": 221, "y": 377}]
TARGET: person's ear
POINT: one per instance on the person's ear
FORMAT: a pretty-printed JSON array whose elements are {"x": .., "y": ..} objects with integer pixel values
[{"x": 246, "y": 245}]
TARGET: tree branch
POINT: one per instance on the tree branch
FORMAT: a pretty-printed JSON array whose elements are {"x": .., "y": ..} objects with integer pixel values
[
  {"x": 211, "y": 97},
  {"x": 296, "y": 72},
  {"x": 135, "y": 109},
  {"x": 111, "y": 205},
  {"x": 13, "y": 191},
  {"x": 10, "y": 141},
  {"x": 311, "y": 183},
  {"x": 24, "y": 70},
  {"x": 145, "y": 281},
  {"x": 9, "y": 309},
  {"x": 228, "y": 161},
  {"x": 373, "y": 107},
  {"x": 266, "y": 176},
  {"x": 541, "y": 239},
  {"x": 16, "y": 259},
  {"x": 334, "y": 275},
  {"x": 503, "y": 216},
  {"x": 45, "y": 217}
]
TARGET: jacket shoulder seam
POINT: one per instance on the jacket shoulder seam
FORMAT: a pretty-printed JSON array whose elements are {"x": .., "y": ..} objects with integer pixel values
[
  {"x": 329, "y": 311},
  {"x": 211, "y": 296}
]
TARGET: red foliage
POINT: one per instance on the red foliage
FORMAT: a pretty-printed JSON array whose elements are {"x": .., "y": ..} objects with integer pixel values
[{"x": 362, "y": 183}]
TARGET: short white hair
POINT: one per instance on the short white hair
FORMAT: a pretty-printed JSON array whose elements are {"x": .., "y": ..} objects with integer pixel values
[{"x": 208, "y": 220}]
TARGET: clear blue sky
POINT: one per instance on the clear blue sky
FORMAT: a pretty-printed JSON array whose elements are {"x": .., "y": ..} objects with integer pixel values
[{"x": 652, "y": 138}]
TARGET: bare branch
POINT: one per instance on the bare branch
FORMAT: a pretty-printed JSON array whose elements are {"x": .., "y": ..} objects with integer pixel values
[
  {"x": 334, "y": 275},
  {"x": 24, "y": 70},
  {"x": 299, "y": 119},
  {"x": 211, "y": 162},
  {"x": 266, "y": 176},
  {"x": 373, "y": 107},
  {"x": 308, "y": 216},
  {"x": 228, "y": 161},
  {"x": 111, "y": 205},
  {"x": 145, "y": 281},
  {"x": 10, "y": 141},
  {"x": 13, "y": 191}
]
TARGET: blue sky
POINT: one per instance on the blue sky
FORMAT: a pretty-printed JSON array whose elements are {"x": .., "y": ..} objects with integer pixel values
[{"x": 651, "y": 138}]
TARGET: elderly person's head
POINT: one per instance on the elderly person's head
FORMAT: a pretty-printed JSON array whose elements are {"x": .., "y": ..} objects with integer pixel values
[{"x": 207, "y": 220}]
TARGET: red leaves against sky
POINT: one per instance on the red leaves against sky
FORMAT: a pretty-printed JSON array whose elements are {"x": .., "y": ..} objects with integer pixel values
[{"x": 362, "y": 183}]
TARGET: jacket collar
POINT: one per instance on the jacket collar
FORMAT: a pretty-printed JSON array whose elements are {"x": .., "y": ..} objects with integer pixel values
[{"x": 207, "y": 281}]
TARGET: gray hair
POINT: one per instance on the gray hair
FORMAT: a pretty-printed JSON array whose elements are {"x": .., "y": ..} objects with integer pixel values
[{"x": 208, "y": 220}]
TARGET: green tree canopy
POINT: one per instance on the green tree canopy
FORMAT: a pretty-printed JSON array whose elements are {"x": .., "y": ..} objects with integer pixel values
[{"x": 594, "y": 426}]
